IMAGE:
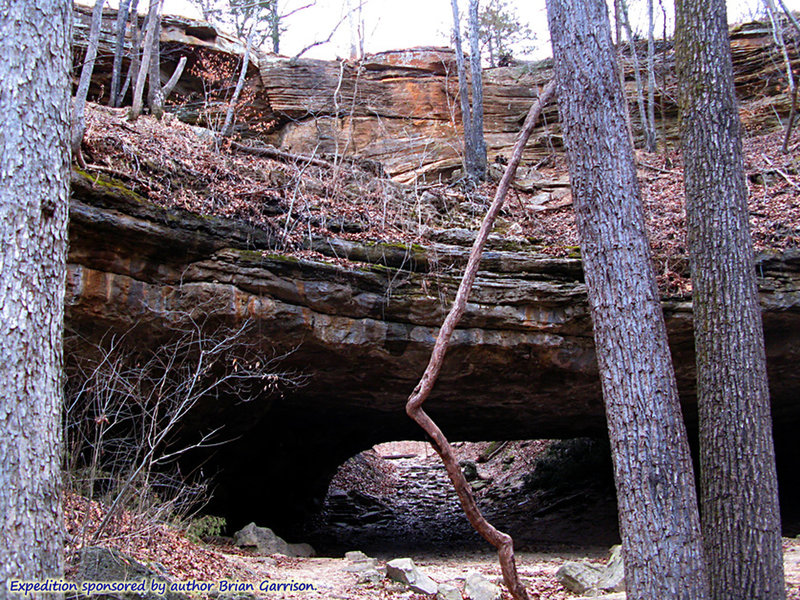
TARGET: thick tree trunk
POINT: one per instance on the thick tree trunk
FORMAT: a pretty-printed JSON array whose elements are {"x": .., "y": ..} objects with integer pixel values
[
  {"x": 120, "y": 26},
  {"x": 741, "y": 522},
  {"x": 652, "y": 467},
  {"x": 35, "y": 90},
  {"x": 478, "y": 141}
]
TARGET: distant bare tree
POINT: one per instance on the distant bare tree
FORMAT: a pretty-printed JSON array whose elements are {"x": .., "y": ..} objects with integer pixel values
[
  {"x": 472, "y": 123},
  {"x": 126, "y": 8},
  {"x": 79, "y": 102},
  {"x": 147, "y": 51}
]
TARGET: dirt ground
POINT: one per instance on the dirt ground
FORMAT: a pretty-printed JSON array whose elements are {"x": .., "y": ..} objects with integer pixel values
[{"x": 537, "y": 569}]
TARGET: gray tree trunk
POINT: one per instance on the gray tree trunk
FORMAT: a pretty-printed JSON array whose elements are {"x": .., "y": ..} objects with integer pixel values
[
  {"x": 136, "y": 53},
  {"x": 155, "y": 93},
  {"x": 741, "y": 521},
  {"x": 227, "y": 127},
  {"x": 35, "y": 91},
  {"x": 275, "y": 27},
  {"x": 658, "y": 513},
  {"x": 147, "y": 50},
  {"x": 463, "y": 93},
  {"x": 120, "y": 26},
  {"x": 79, "y": 103},
  {"x": 478, "y": 141},
  {"x": 650, "y": 130},
  {"x": 637, "y": 76}
]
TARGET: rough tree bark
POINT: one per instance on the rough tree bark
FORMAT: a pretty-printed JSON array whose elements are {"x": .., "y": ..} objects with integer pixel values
[
  {"x": 478, "y": 141},
  {"x": 144, "y": 67},
  {"x": 653, "y": 473},
  {"x": 500, "y": 540},
  {"x": 35, "y": 91},
  {"x": 120, "y": 26},
  {"x": 79, "y": 102},
  {"x": 739, "y": 493}
]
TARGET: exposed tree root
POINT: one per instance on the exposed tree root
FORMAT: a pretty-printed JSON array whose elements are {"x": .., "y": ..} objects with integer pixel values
[{"x": 500, "y": 540}]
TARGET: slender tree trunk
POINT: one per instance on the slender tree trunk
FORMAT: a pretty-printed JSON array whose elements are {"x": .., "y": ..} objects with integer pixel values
[
  {"x": 650, "y": 129},
  {"x": 658, "y": 513},
  {"x": 173, "y": 81},
  {"x": 777, "y": 35},
  {"x": 155, "y": 93},
  {"x": 35, "y": 91},
  {"x": 620, "y": 70},
  {"x": 637, "y": 76},
  {"x": 275, "y": 27},
  {"x": 144, "y": 67},
  {"x": 479, "y": 142},
  {"x": 136, "y": 52},
  {"x": 227, "y": 127},
  {"x": 463, "y": 93},
  {"x": 79, "y": 103},
  {"x": 120, "y": 26},
  {"x": 739, "y": 491}
]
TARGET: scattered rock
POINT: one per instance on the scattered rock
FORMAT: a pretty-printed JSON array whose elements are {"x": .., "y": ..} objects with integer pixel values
[
  {"x": 470, "y": 470},
  {"x": 359, "y": 562},
  {"x": 405, "y": 571},
  {"x": 591, "y": 580},
  {"x": 613, "y": 577},
  {"x": 265, "y": 541},
  {"x": 448, "y": 592},
  {"x": 579, "y": 577},
  {"x": 355, "y": 556},
  {"x": 303, "y": 550},
  {"x": 369, "y": 576},
  {"x": 479, "y": 588}
]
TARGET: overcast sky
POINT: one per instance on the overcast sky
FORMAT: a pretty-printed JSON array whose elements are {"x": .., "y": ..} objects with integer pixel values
[{"x": 392, "y": 24}]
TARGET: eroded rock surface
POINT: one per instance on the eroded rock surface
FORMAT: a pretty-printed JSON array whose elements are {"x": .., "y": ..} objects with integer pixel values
[{"x": 521, "y": 366}]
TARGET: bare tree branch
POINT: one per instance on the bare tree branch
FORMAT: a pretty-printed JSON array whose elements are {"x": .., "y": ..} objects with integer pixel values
[{"x": 500, "y": 540}]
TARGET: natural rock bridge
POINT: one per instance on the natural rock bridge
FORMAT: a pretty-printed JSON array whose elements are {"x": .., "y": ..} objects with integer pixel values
[{"x": 522, "y": 364}]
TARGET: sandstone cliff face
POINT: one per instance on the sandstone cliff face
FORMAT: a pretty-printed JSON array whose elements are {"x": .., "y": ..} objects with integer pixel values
[
  {"x": 401, "y": 107},
  {"x": 522, "y": 363}
]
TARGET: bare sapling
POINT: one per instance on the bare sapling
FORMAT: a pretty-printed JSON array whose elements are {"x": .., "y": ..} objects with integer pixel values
[{"x": 502, "y": 541}]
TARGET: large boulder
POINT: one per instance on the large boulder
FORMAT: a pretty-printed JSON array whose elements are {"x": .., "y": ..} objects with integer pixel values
[{"x": 266, "y": 541}]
